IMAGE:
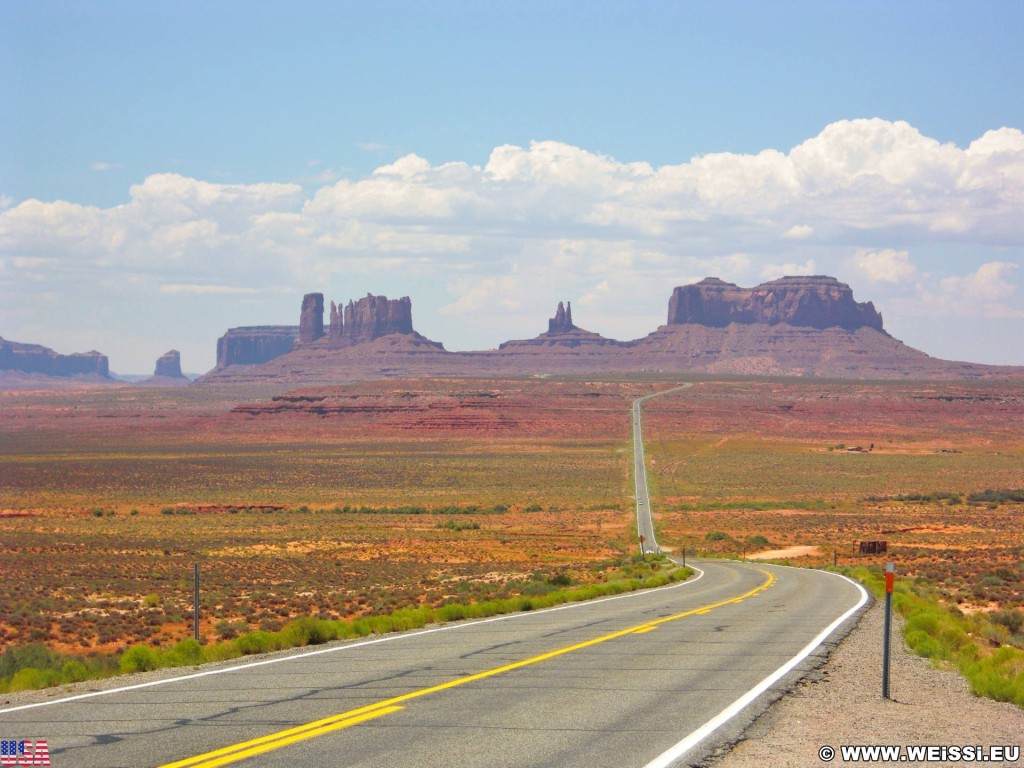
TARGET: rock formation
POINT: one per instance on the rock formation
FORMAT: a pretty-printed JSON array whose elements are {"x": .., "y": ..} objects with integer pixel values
[
  {"x": 795, "y": 326},
  {"x": 168, "y": 365},
  {"x": 369, "y": 318},
  {"x": 562, "y": 321},
  {"x": 375, "y": 316},
  {"x": 815, "y": 302},
  {"x": 311, "y": 319},
  {"x": 361, "y": 321},
  {"x": 255, "y": 344},
  {"x": 562, "y": 334},
  {"x": 35, "y": 358}
]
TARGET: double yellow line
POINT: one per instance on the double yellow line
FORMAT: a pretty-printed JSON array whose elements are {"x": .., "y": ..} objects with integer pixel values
[{"x": 280, "y": 739}]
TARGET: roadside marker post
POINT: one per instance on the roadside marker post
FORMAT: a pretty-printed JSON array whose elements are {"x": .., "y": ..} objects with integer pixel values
[
  {"x": 890, "y": 582},
  {"x": 195, "y": 601}
]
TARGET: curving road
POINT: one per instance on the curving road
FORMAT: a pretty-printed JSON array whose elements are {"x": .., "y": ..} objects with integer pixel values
[
  {"x": 613, "y": 682},
  {"x": 652, "y": 679}
]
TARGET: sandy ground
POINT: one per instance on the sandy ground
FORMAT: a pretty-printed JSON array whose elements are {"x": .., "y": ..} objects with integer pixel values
[
  {"x": 782, "y": 554},
  {"x": 841, "y": 705}
]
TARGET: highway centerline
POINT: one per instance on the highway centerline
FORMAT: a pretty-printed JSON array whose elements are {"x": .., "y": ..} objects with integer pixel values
[
  {"x": 254, "y": 747},
  {"x": 242, "y": 750}
]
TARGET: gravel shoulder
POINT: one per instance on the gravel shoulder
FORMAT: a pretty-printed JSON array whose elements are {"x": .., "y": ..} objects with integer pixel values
[{"x": 841, "y": 704}]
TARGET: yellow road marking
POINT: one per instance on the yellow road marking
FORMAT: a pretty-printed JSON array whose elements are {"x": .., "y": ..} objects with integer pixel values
[
  {"x": 245, "y": 749},
  {"x": 280, "y": 739}
]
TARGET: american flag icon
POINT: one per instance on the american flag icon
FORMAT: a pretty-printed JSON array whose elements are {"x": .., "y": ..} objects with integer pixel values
[{"x": 23, "y": 753}]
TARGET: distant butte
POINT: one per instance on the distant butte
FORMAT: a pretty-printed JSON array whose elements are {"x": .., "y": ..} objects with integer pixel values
[
  {"x": 815, "y": 302},
  {"x": 561, "y": 333},
  {"x": 168, "y": 371},
  {"x": 40, "y": 360},
  {"x": 168, "y": 365},
  {"x": 793, "y": 326},
  {"x": 254, "y": 344}
]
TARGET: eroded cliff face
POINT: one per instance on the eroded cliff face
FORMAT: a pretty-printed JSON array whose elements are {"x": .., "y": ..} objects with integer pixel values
[
  {"x": 35, "y": 358},
  {"x": 795, "y": 326},
  {"x": 814, "y": 302},
  {"x": 369, "y": 318},
  {"x": 255, "y": 344},
  {"x": 311, "y": 318},
  {"x": 562, "y": 321},
  {"x": 168, "y": 365}
]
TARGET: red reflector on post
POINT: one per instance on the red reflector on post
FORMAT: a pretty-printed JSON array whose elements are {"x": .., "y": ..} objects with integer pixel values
[{"x": 890, "y": 581}]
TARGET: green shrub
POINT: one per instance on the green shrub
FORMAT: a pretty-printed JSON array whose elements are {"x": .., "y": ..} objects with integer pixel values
[
  {"x": 35, "y": 656},
  {"x": 186, "y": 652},
  {"x": 306, "y": 630},
  {"x": 257, "y": 642},
  {"x": 997, "y": 496},
  {"x": 1013, "y": 620},
  {"x": 138, "y": 658},
  {"x": 74, "y": 671},
  {"x": 30, "y": 679}
]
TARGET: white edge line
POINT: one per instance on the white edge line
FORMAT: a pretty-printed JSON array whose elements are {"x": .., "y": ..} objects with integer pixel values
[
  {"x": 334, "y": 649},
  {"x": 668, "y": 757}
]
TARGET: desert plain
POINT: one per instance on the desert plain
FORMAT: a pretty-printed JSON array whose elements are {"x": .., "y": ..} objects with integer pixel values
[{"x": 354, "y": 500}]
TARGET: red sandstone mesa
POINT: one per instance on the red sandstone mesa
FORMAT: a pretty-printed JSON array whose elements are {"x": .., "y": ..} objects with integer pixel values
[{"x": 794, "y": 326}]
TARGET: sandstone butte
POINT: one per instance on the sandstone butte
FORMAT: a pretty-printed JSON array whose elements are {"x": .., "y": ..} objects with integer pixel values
[
  {"x": 43, "y": 361},
  {"x": 168, "y": 371},
  {"x": 793, "y": 326}
]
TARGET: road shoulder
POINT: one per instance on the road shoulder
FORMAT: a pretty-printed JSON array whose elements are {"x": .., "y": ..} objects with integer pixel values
[{"x": 840, "y": 704}]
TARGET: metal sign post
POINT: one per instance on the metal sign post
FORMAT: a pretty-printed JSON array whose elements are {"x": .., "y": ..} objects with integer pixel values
[{"x": 890, "y": 581}]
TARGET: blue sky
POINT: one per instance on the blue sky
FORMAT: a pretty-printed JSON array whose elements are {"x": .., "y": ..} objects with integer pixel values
[{"x": 169, "y": 170}]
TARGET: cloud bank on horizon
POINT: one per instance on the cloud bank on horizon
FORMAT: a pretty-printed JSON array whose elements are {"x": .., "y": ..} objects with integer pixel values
[{"x": 929, "y": 231}]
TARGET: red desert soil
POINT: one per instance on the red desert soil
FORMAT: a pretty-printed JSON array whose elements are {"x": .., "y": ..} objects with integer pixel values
[{"x": 303, "y": 502}]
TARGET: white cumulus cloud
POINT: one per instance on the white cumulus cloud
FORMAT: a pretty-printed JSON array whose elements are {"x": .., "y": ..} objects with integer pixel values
[
  {"x": 543, "y": 222},
  {"x": 886, "y": 266},
  {"x": 990, "y": 285},
  {"x": 798, "y": 232},
  {"x": 773, "y": 271}
]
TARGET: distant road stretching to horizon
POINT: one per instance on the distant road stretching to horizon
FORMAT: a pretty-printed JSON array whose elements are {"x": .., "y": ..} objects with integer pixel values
[
  {"x": 644, "y": 518},
  {"x": 649, "y": 679}
]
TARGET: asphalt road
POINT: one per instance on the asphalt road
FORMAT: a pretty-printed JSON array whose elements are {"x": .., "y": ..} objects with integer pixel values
[
  {"x": 644, "y": 521},
  {"x": 655, "y": 678},
  {"x": 614, "y": 682}
]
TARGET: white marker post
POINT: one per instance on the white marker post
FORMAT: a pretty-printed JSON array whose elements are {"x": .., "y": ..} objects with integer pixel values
[{"x": 890, "y": 581}]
